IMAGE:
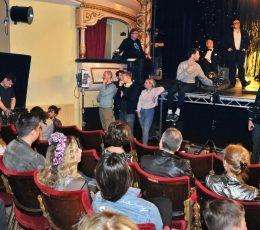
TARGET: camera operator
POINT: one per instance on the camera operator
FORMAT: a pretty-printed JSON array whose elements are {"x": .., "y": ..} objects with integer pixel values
[
  {"x": 7, "y": 96},
  {"x": 254, "y": 126}
]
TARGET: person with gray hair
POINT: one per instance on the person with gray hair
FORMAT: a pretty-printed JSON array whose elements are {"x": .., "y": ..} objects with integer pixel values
[
  {"x": 224, "y": 215},
  {"x": 165, "y": 162},
  {"x": 106, "y": 100}
]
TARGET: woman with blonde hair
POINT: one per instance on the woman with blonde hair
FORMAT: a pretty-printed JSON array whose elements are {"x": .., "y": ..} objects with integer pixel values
[
  {"x": 148, "y": 100},
  {"x": 232, "y": 184},
  {"x": 106, "y": 221},
  {"x": 61, "y": 163}
]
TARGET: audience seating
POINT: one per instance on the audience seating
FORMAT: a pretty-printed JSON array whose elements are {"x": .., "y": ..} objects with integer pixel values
[
  {"x": 147, "y": 226},
  {"x": 89, "y": 160},
  {"x": 8, "y": 133},
  {"x": 252, "y": 208},
  {"x": 27, "y": 211},
  {"x": 201, "y": 164},
  {"x": 142, "y": 149},
  {"x": 176, "y": 189},
  {"x": 72, "y": 130},
  {"x": 63, "y": 208},
  {"x": 254, "y": 175},
  {"x": 91, "y": 139},
  {"x": 218, "y": 164},
  {"x": 41, "y": 146}
]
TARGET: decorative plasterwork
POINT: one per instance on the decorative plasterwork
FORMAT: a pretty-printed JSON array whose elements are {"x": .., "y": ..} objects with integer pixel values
[{"x": 88, "y": 14}]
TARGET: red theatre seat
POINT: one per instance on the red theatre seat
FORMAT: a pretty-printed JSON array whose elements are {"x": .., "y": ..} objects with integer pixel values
[
  {"x": 26, "y": 206},
  {"x": 176, "y": 189},
  {"x": 254, "y": 175},
  {"x": 89, "y": 160},
  {"x": 91, "y": 139},
  {"x": 64, "y": 209},
  {"x": 142, "y": 149},
  {"x": 71, "y": 130},
  {"x": 201, "y": 164},
  {"x": 252, "y": 208}
]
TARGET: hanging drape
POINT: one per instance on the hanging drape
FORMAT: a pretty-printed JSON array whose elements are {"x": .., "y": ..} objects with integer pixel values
[{"x": 95, "y": 39}]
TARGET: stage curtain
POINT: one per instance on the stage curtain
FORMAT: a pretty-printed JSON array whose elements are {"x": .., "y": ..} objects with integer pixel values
[{"x": 95, "y": 39}]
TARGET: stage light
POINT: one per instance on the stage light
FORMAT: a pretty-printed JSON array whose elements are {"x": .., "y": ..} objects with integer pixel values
[{"x": 21, "y": 14}]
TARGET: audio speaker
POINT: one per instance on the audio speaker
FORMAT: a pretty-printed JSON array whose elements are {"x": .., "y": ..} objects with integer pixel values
[{"x": 21, "y": 14}]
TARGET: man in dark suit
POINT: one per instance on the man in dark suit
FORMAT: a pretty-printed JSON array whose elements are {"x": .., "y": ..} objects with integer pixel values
[
  {"x": 237, "y": 44},
  {"x": 210, "y": 58}
]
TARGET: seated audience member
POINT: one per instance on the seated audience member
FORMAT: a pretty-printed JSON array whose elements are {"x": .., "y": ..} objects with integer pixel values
[
  {"x": 2, "y": 216},
  {"x": 224, "y": 215},
  {"x": 53, "y": 112},
  {"x": 62, "y": 158},
  {"x": 232, "y": 184},
  {"x": 106, "y": 221},
  {"x": 114, "y": 179},
  {"x": 19, "y": 155},
  {"x": 117, "y": 98},
  {"x": 118, "y": 140},
  {"x": 148, "y": 100},
  {"x": 106, "y": 100},
  {"x": 165, "y": 162},
  {"x": 46, "y": 124}
]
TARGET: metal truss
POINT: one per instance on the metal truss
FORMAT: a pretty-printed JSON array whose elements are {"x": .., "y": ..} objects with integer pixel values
[{"x": 229, "y": 101}]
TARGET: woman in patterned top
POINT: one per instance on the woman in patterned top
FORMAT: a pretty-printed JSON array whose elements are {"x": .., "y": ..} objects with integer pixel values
[{"x": 232, "y": 184}]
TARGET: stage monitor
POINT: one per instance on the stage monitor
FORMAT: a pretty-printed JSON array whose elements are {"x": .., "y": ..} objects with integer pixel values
[{"x": 17, "y": 65}]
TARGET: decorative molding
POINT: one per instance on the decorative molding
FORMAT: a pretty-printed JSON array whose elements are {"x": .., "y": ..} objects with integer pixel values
[{"x": 88, "y": 14}]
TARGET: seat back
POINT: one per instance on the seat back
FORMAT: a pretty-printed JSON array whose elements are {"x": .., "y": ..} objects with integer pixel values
[
  {"x": 218, "y": 164},
  {"x": 71, "y": 130},
  {"x": 176, "y": 189},
  {"x": 143, "y": 150},
  {"x": 91, "y": 139},
  {"x": 41, "y": 146},
  {"x": 8, "y": 133},
  {"x": 89, "y": 160},
  {"x": 64, "y": 209},
  {"x": 201, "y": 164},
  {"x": 254, "y": 175},
  {"x": 24, "y": 190},
  {"x": 252, "y": 208},
  {"x": 146, "y": 226}
]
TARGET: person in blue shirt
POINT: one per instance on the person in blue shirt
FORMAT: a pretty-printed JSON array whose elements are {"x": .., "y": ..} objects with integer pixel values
[{"x": 116, "y": 194}]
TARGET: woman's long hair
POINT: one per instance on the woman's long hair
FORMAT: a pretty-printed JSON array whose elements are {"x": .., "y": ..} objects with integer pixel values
[{"x": 57, "y": 175}]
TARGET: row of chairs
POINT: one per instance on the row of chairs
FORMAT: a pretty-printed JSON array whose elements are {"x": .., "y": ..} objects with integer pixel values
[{"x": 38, "y": 207}]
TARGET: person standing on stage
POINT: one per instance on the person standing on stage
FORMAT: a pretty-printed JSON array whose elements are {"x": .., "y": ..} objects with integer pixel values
[
  {"x": 254, "y": 126},
  {"x": 7, "y": 96},
  {"x": 106, "y": 100},
  {"x": 210, "y": 58},
  {"x": 148, "y": 100},
  {"x": 187, "y": 73},
  {"x": 237, "y": 44},
  {"x": 117, "y": 98},
  {"x": 131, "y": 48},
  {"x": 129, "y": 97}
]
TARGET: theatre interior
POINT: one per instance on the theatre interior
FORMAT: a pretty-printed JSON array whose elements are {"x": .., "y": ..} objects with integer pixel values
[{"x": 129, "y": 114}]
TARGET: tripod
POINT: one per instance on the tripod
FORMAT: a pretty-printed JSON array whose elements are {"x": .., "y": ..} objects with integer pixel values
[{"x": 210, "y": 142}]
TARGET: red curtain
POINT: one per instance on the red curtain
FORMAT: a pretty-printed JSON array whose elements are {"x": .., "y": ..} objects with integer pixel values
[{"x": 95, "y": 38}]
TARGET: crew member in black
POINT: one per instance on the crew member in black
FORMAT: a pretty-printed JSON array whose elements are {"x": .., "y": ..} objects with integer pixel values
[
  {"x": 210, "y": 58},
  {"x": 7, "y": 96},
  {"x": 131, "y": 48},
  {"x": 254, "y": 126}
]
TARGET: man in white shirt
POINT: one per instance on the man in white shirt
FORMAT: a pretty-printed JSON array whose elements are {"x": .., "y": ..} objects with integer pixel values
[{"x": 237, "y": 44}]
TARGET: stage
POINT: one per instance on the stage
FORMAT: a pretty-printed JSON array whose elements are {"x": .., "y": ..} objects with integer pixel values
[{"x": 230, "y": 113}]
